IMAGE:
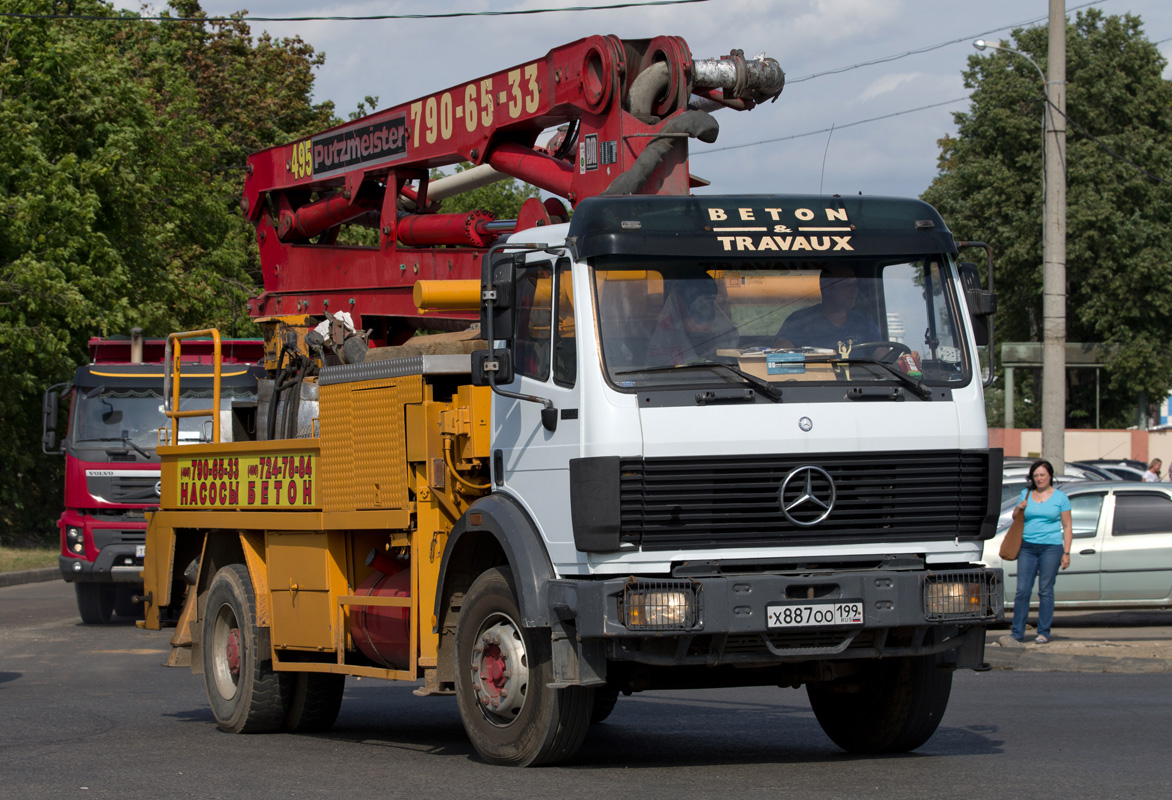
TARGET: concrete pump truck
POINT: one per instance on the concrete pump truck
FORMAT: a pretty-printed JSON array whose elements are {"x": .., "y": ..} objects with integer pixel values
[{"x": 666, "y": 441}]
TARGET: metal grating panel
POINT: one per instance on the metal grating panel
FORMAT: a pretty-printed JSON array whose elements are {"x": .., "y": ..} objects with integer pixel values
[
  {"x": 336, "y": 475},
  {"x": 396, "y": 368},
  {"x": 363, "y": 442},
  {"x": 734, "y": 501}
]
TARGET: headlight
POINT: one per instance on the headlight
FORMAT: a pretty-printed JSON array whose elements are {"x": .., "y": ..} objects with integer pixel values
[
  {"x": 74, "y": 540},
  {"x": 956, "y": 599},
  {"x": 665, "y": 606}
]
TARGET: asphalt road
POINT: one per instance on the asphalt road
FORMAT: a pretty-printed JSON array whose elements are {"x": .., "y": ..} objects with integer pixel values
[{"x": 89, "y": 712}]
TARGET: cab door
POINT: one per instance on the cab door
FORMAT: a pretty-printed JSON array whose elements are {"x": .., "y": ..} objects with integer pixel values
[{"x": 530, "y": 461}]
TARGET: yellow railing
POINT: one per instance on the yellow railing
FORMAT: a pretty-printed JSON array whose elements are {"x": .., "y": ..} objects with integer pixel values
[{"x": 171, "y": 387}]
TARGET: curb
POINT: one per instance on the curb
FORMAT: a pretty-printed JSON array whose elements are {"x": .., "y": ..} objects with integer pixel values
[
  {"x": 29, "y": 576},
  {"x": 1026, "y": 659}
]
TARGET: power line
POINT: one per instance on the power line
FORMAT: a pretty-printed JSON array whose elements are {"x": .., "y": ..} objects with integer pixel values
[
  {"x": 370, "y": 18},
  {"x": 928, "y": 48},
  {"x": 836, "y": 127},
  {"x": 1107, "y": 149}
]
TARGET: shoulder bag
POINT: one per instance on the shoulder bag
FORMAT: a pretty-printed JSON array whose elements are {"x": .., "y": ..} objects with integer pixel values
[{"x": 1011, "y": 544}]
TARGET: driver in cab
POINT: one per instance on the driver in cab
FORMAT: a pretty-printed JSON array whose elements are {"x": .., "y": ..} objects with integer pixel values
[{"x": 834, "y": 323}]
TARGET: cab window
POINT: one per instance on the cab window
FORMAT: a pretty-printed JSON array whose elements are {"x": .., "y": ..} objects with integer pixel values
[
  {"x": 531, "y": 338},
  {"x": 565, "y": 357}
]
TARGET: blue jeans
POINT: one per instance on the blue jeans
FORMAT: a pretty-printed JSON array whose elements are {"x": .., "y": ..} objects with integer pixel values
[{"x": 1039, "y": 561}]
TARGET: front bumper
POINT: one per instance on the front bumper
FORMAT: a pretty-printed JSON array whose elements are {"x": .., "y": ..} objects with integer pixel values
[
  {"x": 113, "y": 547},
  {"x": 110, "y": 566},
  {"x": 904, "y": 613}
]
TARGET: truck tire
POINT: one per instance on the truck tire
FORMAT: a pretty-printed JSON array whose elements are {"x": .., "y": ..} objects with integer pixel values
[
  {"x": 605, "y": 698},
  {"x": 124, "y": 605},
  {"x": 503, "y": 670},
  {"x": 246, "y": 696},
  {"x": 896, "y": 706},
  {"x": 314, "y": 702},
  {"x": 95, "y": 602}
]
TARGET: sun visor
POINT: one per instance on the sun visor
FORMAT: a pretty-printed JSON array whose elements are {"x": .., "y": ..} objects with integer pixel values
[
  {"x": 758, "y": 226},
  {"x": 136, "y": 376}
]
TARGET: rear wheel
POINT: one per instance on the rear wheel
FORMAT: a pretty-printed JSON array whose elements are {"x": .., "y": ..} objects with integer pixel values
[
  {"x": 894, "y": 706},
  {"x": 95, "y": 602},
  {"x": 314, "y": 701},
  {"x": 246, "y": 696},
  {"x": 502, "y": 674}
]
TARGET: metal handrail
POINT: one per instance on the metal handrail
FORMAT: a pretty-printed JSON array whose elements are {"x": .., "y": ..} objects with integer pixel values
[{"x": 171, "y": 389}]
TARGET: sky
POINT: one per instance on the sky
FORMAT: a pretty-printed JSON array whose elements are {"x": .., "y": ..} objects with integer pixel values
[{"x": 821, "y": 135}]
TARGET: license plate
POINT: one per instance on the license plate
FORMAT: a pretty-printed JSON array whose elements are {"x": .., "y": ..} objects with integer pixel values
[
  {"x": 139, "y": 550},
  {"x": 809, "y": 615}
]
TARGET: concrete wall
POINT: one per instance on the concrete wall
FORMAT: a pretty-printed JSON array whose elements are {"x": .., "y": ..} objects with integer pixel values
[{"x": 1086, "y": 444}]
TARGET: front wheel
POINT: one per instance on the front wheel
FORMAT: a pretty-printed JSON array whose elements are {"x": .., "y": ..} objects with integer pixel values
[
  {"x": 503, "y": 672},
  {"x": 124, "y": 602},
  {"x": 95, "y": 602},
  {"x": 895, "y": 705},
  {"x": 246, "y": 696}
]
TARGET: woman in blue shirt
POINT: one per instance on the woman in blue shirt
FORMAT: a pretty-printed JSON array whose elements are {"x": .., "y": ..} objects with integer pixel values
[{"x": 1045, "y": 544}]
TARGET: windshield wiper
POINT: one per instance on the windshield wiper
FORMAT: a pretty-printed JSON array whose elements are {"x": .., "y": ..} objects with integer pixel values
[
  {"x": 763, "y": 387},
  {"x": 126, "y": 441},
  {"x": 917, "y": 387}
]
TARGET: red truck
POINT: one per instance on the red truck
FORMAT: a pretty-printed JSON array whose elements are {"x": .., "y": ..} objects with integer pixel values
[{"x": 111, "y": 468}]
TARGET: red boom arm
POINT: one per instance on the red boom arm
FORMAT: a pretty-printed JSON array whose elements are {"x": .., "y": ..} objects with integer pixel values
[{"x": 613, "y": 95}]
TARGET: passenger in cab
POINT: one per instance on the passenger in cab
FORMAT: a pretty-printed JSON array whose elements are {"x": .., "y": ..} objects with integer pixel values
[{"x": 692, "y": 326}]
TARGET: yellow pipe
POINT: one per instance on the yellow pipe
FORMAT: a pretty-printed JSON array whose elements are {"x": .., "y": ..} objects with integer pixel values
[{"x": 448, "y": 295}]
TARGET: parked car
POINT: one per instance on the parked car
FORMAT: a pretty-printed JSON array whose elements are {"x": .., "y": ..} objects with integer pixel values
[
  {"x": 1121, "y": 556},
  {"x": 1019, "y": 467},
  {"x": 1012, "y": 485},
  {"x": 1120, "y": 470}
]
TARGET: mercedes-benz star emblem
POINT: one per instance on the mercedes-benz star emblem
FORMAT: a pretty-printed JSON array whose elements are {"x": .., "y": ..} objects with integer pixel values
[
  {"x": 806, "y": 424},
  {"x": 159, "y": 488},
  {"x": 807, "y": 495}
]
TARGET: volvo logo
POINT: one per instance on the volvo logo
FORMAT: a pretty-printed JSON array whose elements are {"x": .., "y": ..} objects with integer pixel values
[
  {"x": 806, "y": 424},
  {"x": 807, "y": 495}
]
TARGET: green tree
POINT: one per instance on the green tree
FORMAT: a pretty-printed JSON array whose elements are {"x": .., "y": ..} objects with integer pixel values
[
  {"x": 1118, "y": 271},
  {"x": 120, "y": 174}
]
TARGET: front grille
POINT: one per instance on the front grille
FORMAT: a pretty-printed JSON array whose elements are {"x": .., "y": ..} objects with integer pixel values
[
  {"x": 106, "y": 536},
  {"x": 134, "y": 489},
  {"x": 125, "y": 487},
  {"x": 734, "y": 501}
]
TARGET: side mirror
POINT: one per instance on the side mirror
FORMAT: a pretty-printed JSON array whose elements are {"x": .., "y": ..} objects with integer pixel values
[
  {"x": 482, "y": 365},
  {"x": 500, "y": 273},
  {"x": 982, "y": 304},
  {"x": 50, "y": 405}
]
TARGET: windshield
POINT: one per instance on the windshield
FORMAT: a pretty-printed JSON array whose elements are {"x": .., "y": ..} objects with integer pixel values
[
  {"x": 786, "y": 321},
  {"x": 108, "y": 415}
]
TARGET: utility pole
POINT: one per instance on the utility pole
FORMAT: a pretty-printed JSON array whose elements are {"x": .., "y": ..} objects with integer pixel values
[{"x": 1054, "y": 248}]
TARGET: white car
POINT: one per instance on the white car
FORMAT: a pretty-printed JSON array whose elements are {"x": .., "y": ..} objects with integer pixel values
[{"x": 1121, "y": 556}]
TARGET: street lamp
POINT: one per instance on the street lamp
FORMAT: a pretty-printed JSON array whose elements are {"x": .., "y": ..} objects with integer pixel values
[{"x": 1053, "y": 238}]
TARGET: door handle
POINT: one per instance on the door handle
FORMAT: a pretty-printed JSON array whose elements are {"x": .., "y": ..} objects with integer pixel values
[{"x": 1089, "y": 552}]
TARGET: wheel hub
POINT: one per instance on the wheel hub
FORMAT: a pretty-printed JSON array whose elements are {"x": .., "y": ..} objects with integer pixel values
[
  {"x": 500, "y": 671},
  {"x": 232, "y": 652}
]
